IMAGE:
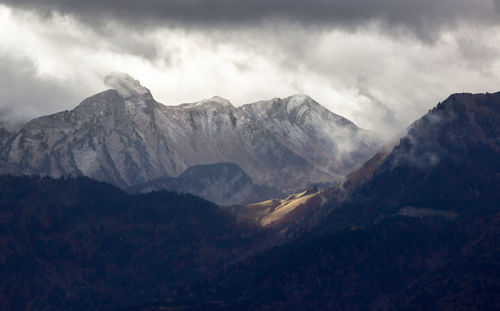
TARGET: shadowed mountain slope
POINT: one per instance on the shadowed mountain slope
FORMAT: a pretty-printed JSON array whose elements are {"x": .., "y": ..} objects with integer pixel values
[{"x": 221, "y": 183}]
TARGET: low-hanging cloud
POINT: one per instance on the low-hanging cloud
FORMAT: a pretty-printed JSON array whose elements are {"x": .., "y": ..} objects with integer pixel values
[{"x": 124, "y": 84}]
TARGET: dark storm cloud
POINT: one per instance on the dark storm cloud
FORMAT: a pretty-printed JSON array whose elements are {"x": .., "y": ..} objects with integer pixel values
[
  {"x": 24, "y": 95},
  {"x": 419, "y": 16}
]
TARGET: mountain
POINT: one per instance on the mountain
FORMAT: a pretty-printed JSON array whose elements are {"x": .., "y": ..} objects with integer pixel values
[
  {"x": 446, "y": 160},
  {"x": 222, "y": 183},
  {"x": 415, "y": 228},
  {"x": 78, "y": 244},
  {"x": 4, "y": 133},
  {"x": 458, "y": 129},
  {"x": 125, "y": 137}
]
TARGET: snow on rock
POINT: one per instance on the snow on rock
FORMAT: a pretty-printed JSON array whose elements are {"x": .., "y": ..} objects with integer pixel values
[
  {"x": 295, "y": 101},
  {"x": 125, "y": 137},
  {"x": 215, "y": 101}
]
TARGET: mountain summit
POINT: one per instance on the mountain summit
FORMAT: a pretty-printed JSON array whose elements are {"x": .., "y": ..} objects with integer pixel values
[
  {"x": 125, "y": 84},
  {"x": 125, "y": 137}
]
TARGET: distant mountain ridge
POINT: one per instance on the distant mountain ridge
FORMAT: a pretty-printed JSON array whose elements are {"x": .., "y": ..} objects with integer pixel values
[
  {"x": 125, "y": 137},
  {"x": 222, "y": 183}
]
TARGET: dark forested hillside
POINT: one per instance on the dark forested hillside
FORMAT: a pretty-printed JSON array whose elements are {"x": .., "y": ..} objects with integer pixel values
[
  {"x": 401, "y": 263},
  {"x": 78, "y": 244},
  {"x": 447, "y": 161}
]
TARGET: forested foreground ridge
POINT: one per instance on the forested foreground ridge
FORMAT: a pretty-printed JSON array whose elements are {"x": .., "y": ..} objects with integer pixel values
[{"x": 79, "y": 244}]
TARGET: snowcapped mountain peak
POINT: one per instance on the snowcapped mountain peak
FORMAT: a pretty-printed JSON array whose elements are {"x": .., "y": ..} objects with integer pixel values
[
  {"x": 215, "y": 101},
  {"x": 297, "y": 101},
  {"x": 126, "y": 85},
  {"x": 291, "y": 107},
  {"x": 299, "y": 98},
  {"x": 122, "y": 135},
  {"x": 219, "y": 99}
]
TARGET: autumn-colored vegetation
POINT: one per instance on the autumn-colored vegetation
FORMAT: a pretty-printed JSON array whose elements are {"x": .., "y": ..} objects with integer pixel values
[{"x": 78, "y": 244}]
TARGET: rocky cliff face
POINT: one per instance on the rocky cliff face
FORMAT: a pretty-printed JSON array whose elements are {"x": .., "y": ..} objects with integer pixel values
[
  {"x": 4, "y": 134},
  {"x": 124, "y": 136}
]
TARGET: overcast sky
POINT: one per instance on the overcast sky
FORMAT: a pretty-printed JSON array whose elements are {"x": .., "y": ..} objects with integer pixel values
[{"x": 380, "y": 63}]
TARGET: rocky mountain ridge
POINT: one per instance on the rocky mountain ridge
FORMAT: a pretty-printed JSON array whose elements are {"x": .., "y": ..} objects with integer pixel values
[{"x": 125, "y": 137}]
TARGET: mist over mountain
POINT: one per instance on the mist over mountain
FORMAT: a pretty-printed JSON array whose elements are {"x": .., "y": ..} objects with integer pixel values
[
  {"x": 123, "y": 136},
  {"x": 462, "y": 129}
]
